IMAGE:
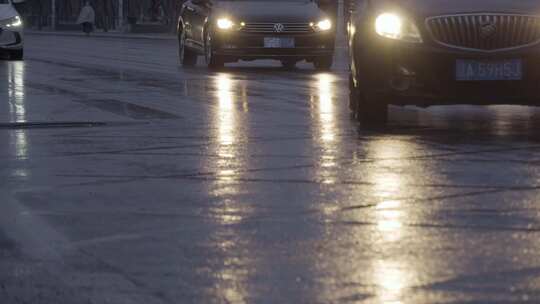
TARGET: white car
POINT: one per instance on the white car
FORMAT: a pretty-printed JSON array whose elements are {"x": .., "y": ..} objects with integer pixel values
[{"x": 11, "y": 30}]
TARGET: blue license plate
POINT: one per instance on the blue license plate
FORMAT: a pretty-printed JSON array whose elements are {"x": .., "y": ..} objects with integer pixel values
[
  {"x": 279, "y": 42},
  {"x": 476, "y": 70}
]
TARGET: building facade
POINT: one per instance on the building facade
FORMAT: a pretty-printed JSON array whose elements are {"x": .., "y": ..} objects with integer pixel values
[{"x": 123, "y": 15}]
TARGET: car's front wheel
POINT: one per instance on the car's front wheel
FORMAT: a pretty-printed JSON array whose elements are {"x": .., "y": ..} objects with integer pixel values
[
  {"x": 324, "y": 63},
  {"x": 213, "y": 61},
  {"x": 16, "y": 55},
  {"x": 187, "y": 57},
  {"x": 368, "y": 108}
]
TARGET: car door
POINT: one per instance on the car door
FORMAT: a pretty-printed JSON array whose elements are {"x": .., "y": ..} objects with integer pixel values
[
  {"x": 200, "y": 13},
  {"x": 187, "y": 16}
]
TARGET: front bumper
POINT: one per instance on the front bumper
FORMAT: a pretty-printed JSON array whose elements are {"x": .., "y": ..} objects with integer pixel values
[
  {"x": 425, "y": 74},
  {"x": 11, "y": 39},
  {"x": 232, "y": 46}
]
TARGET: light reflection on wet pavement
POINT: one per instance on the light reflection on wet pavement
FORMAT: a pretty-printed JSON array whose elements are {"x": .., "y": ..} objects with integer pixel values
[{"x": 128, "y": 180}]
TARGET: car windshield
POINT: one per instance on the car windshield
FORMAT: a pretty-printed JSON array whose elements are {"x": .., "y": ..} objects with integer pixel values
[{"x": 4, "y": 1}]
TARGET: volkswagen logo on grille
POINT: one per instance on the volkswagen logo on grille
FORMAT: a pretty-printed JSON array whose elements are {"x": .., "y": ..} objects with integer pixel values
[
  {"x": 279, "y": 27},
  {"x": 487, "y": 30}
]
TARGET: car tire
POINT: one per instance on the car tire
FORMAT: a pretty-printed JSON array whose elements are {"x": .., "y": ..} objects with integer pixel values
[
  {"x": 187, "y": 57},
  {"x": 368, "y": 108},
  {"x": 323, "y": 63},
  {"x": 213, "y": 61},
  {"x": 16, "y": 55},
  {"x": 288, "y": 64}
]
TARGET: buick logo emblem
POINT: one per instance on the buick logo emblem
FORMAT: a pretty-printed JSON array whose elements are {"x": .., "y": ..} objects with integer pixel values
[
  {"x": 487, "y": 30},
  {"x": 278, "y": 27}
]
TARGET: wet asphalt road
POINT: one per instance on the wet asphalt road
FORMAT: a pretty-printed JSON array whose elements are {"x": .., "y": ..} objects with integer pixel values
[{"x": 125, "y": 179}]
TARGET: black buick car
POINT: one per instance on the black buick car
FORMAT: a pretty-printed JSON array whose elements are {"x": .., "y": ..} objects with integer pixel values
[
  {"x": 228, "y": 31},
  {"x": 435, "y": 52}
]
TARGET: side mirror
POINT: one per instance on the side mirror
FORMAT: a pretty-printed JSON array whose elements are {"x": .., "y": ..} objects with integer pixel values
[{"x": 18, "y": 1}]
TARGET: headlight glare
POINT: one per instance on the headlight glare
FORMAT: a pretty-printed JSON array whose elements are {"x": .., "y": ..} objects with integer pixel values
[
  {"x": 396, "y": 27},
  {"x": 11, "y": 22},
  {"x": 225, "y": 24},
  {"x": 389, "y": 25},
  {"x": 324, "y": 25}
]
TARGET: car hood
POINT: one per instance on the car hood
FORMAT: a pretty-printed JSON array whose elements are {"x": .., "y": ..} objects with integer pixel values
[
  {"x": 269, "y": 11},
  {"x": 426, "y": 8},
  {"x": 7, "y": 11}
]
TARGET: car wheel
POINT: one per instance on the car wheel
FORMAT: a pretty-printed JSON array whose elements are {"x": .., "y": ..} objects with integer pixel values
[
  {"x": 16, "y": 55},
  {"x": 368, "y": 108},
  {"x": 288, "y": 64},
  {"x": 324, "y": 63},
  {"x": 213, "y": 61},
  {"x": 187, "y": 57}
]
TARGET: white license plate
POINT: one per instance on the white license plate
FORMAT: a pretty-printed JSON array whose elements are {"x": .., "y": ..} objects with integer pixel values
[
  {"x": 278, "y": 42},
  {"x": 476, "y": 70}
]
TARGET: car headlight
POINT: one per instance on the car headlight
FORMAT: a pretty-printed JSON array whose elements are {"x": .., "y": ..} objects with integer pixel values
[
  {"x": 324, "y": 25},
  {"x": 396, "y": 27},
  {"x": 225, "y": 23},
  {"x": 11, "y": 22}
]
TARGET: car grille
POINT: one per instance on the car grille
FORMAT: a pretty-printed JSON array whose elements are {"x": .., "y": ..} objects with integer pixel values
[
  {"x": 272, "y": 28},
  {"x": 485, "y": 32}
]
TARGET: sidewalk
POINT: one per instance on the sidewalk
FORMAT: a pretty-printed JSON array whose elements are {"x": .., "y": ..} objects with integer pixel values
[{"x": 115, "y": 35}]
